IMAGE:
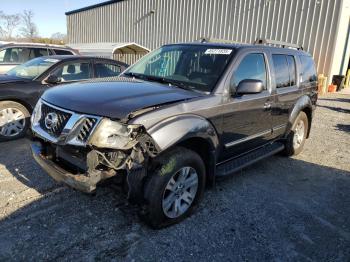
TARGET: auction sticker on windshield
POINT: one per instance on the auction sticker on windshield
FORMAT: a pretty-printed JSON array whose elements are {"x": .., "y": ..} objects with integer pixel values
[{"x": 218, "y": 51}]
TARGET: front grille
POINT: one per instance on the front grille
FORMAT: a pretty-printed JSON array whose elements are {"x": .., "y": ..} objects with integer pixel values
[
  {"x": 86, "y": 129},
  {"x": 62, "y": 119}
]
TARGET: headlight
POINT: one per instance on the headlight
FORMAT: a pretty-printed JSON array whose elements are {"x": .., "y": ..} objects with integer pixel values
[
  {"x": 36, "y": 115},
  {"x": 111, "y": 134}
]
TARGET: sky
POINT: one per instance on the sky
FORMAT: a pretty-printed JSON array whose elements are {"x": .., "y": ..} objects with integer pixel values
[{"x": 48, "y": 14}]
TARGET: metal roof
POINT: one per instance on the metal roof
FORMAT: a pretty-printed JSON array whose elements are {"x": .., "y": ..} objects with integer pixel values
[
  {"x": 92, "y": 6},
  {"x": 109, "y": 49}
]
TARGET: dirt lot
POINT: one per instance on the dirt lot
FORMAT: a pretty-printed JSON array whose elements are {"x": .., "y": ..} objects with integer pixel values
[{"x": 279, "y": 209}]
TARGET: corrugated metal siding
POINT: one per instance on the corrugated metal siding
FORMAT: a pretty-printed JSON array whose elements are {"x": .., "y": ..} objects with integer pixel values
[{"x": 310, "y": 23}]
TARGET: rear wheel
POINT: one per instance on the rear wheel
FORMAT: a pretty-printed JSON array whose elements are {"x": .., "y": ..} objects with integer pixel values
[
  {"x": 296, "y": 138},
  {"x": 14, "y": 120},
  {"x": 174, "y": 189}
]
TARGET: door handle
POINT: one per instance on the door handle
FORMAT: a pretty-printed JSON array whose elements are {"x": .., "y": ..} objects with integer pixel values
[{"x": 267, "y": 106}]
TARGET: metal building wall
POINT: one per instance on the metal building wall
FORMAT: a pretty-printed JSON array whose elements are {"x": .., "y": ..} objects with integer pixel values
[{"x": 310, "y": 23}]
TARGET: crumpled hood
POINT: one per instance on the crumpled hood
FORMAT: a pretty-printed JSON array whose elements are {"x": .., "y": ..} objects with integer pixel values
[
  {"x": 115, "y": 99},
  {"x": 4, "y": 79}
]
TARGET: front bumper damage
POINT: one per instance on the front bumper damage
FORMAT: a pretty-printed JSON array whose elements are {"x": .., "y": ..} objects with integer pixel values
[
  {"x": 83, "y": 182},
  {"x": 81, "y": 150},
  {"x": 96, "y": 165}
]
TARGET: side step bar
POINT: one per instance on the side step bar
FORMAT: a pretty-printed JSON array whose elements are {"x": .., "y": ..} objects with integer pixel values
[{"x": 238, "y": 163}]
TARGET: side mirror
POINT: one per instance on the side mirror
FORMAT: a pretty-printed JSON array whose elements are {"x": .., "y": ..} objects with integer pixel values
[
  {"x": 52, "y": 79},
  {"x": 250, "y": 86}
]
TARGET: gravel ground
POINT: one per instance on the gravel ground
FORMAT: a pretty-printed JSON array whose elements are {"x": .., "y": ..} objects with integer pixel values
[{"x": 279, "y": 209}]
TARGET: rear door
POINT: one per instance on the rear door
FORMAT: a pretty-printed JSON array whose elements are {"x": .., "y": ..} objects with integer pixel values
[
  {"x": 285, "y": 82},
  {"x": 105, "y": 68},
  {"x": 247, "y": 121},
  {"x": 35, "y": 52}
]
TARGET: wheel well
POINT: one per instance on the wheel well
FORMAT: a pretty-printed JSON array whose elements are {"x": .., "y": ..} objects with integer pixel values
[
  {"x": 25, "y": 104},
  {"x": 308, "y": 113},
  {"x": 203, "y": 148}
]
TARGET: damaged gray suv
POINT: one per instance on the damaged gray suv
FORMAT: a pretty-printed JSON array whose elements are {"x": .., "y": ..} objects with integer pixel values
[{"x": 175, "y": 121}]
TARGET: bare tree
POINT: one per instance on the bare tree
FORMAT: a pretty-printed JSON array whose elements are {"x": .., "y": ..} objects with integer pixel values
[
  {"x": 59, "y": 37},
  {"x": 29, "y": 28},
  {"x": 1, "y": 25},
  {"x": 8, "y": 23}
]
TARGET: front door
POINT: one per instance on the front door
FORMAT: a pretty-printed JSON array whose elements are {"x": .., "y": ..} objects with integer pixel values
[
  {"x": 68, "y": 72},
  {"x": 73, "y": 71},
  {"x": 247, "y": 120}
]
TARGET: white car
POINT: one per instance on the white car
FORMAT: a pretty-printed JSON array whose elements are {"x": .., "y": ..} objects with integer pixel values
[{"x": 13, "y": 54}]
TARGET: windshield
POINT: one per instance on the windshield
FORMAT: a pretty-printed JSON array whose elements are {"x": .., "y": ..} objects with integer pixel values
[
  {"x": 33, "y": 68},
  {"x": 196, "y": 67}
]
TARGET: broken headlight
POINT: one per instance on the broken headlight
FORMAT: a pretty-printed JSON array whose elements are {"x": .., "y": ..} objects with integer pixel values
[{"x": 111, "y": 134}]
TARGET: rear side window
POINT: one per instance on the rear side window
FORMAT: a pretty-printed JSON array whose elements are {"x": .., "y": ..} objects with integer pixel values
[
  {"x": 308, "y": 70},
  {"x": 107, "y": 70},
  {"x": 251, "y": 67},
  {"x": 285, "y": 73},
  {"x": 37, "y": 52},
  {"x": 292, "y": 71},
  {"x": 62, "y": 52}
]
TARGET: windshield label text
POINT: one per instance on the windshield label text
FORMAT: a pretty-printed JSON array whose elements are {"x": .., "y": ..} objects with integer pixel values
[{"x": 218, "y": 51}]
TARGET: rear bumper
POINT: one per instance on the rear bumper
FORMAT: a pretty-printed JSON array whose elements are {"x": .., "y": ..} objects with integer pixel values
[{"x": 83, "y": 182}]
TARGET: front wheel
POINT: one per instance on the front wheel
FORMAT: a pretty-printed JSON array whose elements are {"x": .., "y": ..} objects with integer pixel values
[
  {"x": 296, "y": 138},
  {"x": 174, "y": 188},
  {"x": 14, "y": 120}
]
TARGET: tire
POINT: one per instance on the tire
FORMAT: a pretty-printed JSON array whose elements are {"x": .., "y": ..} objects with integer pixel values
[
  {"x": 295, "y": 141},
  {"x": 19, "y": 118},
  {"x": 172, "y": 165}
]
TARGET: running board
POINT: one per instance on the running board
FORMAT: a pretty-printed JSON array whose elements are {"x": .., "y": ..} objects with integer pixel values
[{"x": 238, "y": 163}]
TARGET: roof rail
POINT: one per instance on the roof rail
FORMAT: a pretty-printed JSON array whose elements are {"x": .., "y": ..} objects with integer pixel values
[
  {"x": 264, "y": 41},
  {"x": 216, "y": 40},
  {"x": 33, "y": 43}
]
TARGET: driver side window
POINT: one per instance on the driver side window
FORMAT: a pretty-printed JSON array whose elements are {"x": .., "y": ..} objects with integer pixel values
[
  {"x": 251, "y": 67},
  {"x": 73, "y": 71}
]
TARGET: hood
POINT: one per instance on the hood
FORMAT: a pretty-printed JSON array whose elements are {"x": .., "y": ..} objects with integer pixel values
[
  {"x": 115, "y": 99},
  {"x": 4, "y": 79}
]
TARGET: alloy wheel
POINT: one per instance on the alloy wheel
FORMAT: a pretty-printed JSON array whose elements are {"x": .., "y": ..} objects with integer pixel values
[
  {"x": 180, "y": 192},
  {"x": 12, "y": 122},
  {"x": 299, "y": 134}
]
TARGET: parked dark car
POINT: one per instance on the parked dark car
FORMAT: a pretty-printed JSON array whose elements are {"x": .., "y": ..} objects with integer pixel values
[
  {"x": 13, "y": 54},
  {"x": 175, "y": 121},
  {"x": 22, "y": 86}
]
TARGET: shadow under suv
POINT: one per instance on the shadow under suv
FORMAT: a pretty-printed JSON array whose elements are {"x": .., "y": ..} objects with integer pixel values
[{"x": 176, "y": 120}]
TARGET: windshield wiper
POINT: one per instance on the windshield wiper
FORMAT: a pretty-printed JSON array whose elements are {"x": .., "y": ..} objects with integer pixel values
[
  {"x": 160, "y": 79},
  {"x": 136, "y": 75},
  {"x": 176, "y": 83}
]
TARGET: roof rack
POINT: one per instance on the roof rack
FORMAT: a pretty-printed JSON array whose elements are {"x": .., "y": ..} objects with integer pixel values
[
  {"x": 264, "y": 41},
  {"x": 215, "y": 40}
]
